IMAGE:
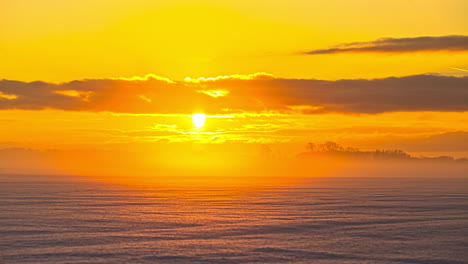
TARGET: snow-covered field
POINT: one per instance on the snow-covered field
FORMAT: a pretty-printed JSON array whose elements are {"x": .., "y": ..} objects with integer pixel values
[{"x": 321, "y": 220}]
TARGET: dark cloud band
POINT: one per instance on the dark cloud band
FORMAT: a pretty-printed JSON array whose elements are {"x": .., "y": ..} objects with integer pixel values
[{"x": 229, "y": 95}]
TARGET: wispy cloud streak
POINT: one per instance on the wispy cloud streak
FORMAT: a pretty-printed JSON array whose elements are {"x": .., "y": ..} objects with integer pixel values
[{"x": 400, "y": 45}]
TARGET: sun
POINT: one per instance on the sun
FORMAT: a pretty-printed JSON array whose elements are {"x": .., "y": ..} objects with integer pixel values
[{"x": 198, "y": 120}]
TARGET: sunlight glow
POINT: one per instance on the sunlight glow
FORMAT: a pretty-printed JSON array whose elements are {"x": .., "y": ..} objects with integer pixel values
[
  {"x": 214, "y": 93},
  {"x": 8, "y": 96},
  {"x": 198, "y": 120}
]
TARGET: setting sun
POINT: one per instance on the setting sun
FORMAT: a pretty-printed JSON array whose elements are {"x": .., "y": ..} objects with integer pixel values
[{"x": 198, "y": 120}]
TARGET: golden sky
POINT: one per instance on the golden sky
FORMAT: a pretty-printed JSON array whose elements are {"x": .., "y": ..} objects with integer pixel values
[
  {"x": 51, "y": 40},
  {"x": 121, "y": 74}
]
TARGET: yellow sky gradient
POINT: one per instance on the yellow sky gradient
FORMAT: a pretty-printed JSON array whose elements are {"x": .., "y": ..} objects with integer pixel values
[{"x": 60, "y": 41}]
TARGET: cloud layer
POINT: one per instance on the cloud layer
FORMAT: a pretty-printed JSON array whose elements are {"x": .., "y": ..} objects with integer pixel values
[
  {"x": 400, "y": 45},
  {"x": 229, "y": 95}
]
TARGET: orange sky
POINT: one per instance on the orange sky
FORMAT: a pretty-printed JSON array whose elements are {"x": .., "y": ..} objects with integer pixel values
[{"x": 122, "y": 75}]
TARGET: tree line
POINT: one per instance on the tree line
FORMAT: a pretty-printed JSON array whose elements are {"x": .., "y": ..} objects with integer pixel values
[{"x": 330, "y": 148}]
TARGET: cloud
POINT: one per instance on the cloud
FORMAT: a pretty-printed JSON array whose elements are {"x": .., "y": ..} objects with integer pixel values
[
  {"x": 400, "y": 45},
  {"x": 214, "y": 93},
  {"x": 254, "y": 76},
  {"x": 255, "y": 95},
  {"x": 145, "y": 78}
]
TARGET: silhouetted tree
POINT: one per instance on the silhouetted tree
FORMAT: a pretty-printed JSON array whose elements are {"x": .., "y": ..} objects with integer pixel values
[
  {"x": 311, "y": 146},
  {"x": 351, "y": 149},
  {"x": 332, "y": 148}
]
